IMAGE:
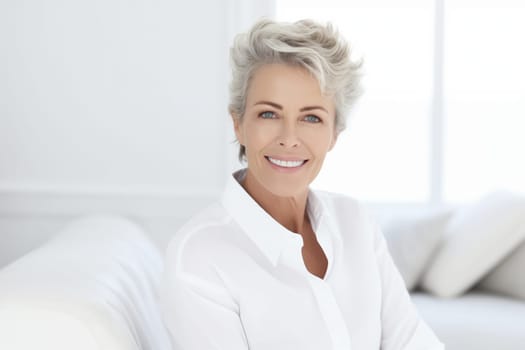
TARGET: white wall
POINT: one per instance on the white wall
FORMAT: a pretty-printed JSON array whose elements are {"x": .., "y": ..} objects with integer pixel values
[{"x": 110, "y": 106}]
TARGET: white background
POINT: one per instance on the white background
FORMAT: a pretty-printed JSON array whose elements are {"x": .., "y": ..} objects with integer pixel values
[
  {"x": 117, "y": 107},
  {"x": 122, "y": 107}
]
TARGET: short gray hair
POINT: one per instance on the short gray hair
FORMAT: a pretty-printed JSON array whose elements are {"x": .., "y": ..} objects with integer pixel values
[{"x": 318, "y": 48}]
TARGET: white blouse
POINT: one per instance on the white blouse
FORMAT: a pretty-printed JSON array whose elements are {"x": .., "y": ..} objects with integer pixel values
[{"x": 235, "y": 279}]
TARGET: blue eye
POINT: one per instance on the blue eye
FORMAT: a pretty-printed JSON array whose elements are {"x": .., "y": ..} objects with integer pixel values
[
  {"x": 312, "y": 119},
  {"x": 267, "y": 115}
]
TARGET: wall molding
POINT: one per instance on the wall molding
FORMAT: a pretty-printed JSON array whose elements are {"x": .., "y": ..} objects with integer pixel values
[{"x": 146, "y": 202}]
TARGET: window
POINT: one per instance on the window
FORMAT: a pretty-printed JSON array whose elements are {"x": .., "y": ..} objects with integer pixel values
[
  {"x": 441, "y": 117},
  {"x": 484, "y": 89}
]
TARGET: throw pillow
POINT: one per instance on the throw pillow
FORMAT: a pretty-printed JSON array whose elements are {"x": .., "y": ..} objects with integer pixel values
[
  {"x": 508, "y": 277},
  {"x": 412, "y": 242},
  {"x": 477, "y": 237}
]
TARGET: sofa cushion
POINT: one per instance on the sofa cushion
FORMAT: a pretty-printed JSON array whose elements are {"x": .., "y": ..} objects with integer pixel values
[
  {"x": 508, "y": 276},
  {"x": 477, "y": 237},
  {"x": 475, "y": 320},
  {"x": 413, "y": 241}
]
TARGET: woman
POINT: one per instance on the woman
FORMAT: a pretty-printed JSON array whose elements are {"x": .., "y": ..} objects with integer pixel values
[{"x": 274, "y": 265}]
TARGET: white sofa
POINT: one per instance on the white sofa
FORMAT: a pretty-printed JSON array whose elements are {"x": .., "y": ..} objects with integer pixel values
[
  {"x": 477, "y": 320},
  {"x": 465, "y": 266},
  {"x": 94, "y": 286}
]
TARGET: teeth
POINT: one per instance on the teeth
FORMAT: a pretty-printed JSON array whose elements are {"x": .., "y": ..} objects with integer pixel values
[{"x": 286, "y": 163}]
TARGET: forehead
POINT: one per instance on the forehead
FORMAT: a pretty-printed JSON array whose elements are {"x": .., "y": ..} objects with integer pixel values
[{"x": 286, "y": 85}]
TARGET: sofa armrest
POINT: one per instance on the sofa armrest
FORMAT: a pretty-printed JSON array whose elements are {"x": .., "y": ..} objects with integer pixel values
[{"x": 93, "y": 286}]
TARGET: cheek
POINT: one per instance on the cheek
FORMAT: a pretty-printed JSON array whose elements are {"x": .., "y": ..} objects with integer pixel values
[
  {"x": 259, "y": 135},
  {"x": 321, "y": 142}
]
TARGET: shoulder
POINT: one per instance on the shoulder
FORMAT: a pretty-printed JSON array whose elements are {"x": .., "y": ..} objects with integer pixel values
[{"x": 204, "y": 242}]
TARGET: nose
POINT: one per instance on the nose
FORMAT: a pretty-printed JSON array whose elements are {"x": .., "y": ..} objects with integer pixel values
[{"x": 288, "y": 136}]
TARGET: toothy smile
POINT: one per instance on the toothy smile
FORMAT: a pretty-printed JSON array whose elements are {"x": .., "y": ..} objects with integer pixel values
[{"x": 286, "y": 163}]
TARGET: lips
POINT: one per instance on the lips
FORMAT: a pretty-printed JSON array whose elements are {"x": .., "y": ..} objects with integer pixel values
[{"x": 286, "y": 163}]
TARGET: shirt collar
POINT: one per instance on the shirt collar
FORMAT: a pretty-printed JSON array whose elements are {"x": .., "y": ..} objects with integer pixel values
[{"x": 268, "y": 234}]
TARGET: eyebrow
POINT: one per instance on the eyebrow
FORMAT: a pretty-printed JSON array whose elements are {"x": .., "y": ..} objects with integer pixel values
[{"x": 278, "y": 106}]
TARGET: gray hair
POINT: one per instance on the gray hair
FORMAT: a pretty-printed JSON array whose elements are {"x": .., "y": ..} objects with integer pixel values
[{"x": 305, "y": 43}]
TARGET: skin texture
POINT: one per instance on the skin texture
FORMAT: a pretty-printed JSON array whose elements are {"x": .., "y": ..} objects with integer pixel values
[{"x": 287, "y": 118}]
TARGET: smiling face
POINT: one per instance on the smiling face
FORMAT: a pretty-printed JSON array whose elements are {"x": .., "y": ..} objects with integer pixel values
[{"x": 287, "y": 129}]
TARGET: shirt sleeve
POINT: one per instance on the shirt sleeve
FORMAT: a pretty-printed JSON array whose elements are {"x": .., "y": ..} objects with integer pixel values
[
  {"x": 402, "y": 328},
  {"x": 200, "y": 314}
]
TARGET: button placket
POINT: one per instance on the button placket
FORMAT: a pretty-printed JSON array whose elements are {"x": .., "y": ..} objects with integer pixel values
[
  {"x": 331, "y": 313},
  {"x": 326, "y": 302}
]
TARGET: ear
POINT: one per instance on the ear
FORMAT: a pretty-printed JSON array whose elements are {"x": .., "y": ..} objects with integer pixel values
[
  {"x": 237, "y": 127},
  {"x": 334, "y": 140}
]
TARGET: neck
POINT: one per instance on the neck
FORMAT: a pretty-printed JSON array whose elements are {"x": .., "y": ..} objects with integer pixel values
[{"x": 290, "y": 212}]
